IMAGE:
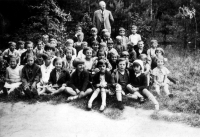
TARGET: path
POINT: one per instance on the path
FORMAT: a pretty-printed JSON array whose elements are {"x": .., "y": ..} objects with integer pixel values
[{"x": 64, "y": 120}]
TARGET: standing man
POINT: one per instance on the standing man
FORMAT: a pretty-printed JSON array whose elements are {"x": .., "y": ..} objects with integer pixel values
[{"x": 102, "y": 18}]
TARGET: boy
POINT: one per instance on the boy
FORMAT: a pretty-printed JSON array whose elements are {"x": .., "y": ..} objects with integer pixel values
[
  {"x": 134, "y": 37},
  {"x": 122, "y": 33},
  {"x": 39, "y": 49},
  {"x": 119, "y": 47},
  {"x": 88, "y": 58},
  {"x": 151, "y": 52},
  {"x": 70, "y": 44},
  {"x": 68, "y": 61},
  {"x": 111, "y": 50},
  {"x": 45, "y": 38},
  {"x": 94, "y": 37},
  {"x": 21, "y": 47},
  {"x": 95, "y": 47}
]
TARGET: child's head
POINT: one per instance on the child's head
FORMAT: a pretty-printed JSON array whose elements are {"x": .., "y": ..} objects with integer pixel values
[
  {"x": 138, "y": 66},
  {"x": 13, "y": 62},
  {"x": 160, "y": 61},
  {"x": 101, "y": 54},
  {"x": 29, "y": 46},
  {"x": 49, "y": 48},
  {"x": 84, "y": 44},
  {"x": 70, "y": 43},
  {"x": 88, "y": 52},
  {"x": 12, "y": 45},
  {"x": 78, "y": 63},
  {"x": 45, "y": 38},
  {"x": 110, "y": 44},
  {"x": 130, "y": 46},
  {"x": 53, "y": 42},
  {"x": 121, "y": 63},
  {"x": 104, "y": 31},
  {"x": 107, "y": 35},
  {"x": 119, "y": 39},
  {"x": 102, "y": 65},
  {"x": 143, "y": 57},
  {"x": 47, "y": 58},
  {"x": 39, "y": 44},
  {"x": 113, "y": 57},
  {"x": 125, "y": 55},
  {"x": 78, "y": 29},
  {"x": 103, "y": 46},
  {"x": 58, "y": 63},
  {"x": 154, "y": 43},
  {"x": 21, "y": 44},
  {"x": 30, "y": 60},
  {"x": 122, "y": 31},
  {"x": 159, "y": 52},
  {"x": 140, "y": 44},
  {"x": 133, "y": 29},
  {"x": 94, "y": 31},
  {"x": 80, "y": 36},
  {"x": 95, "y": 45},
  {"x": 68, "y": 53}
]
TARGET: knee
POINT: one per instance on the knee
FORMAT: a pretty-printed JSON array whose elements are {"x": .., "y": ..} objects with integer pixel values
[
  {"x": 129, "y": 87},
  {"x": 103, "y": 90}
]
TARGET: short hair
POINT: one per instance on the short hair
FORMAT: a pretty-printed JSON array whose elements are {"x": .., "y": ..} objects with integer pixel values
[
  {"x": 120, "y": 59},
  {"x": 21, "y": 42},
  {"x": 40, "y": 41},
  {"x": 121, "y": 29},
  {"x": 45, "y": 36},
  {"x": 104, "y": 30},
  {"x": 102, "y": 62},
  {"x": 84, "y": 43},
  {"x": 86, "y": 49},
  {"x": 28, "y": 42},
  {"x": 68, "y": 49},
  {"x": 134, "y": 26},
  {"x": 140, "y": 41},
  {"x": 58, "y": 59},
  {"x": 78, "y": 27},
  {"x": 13, "y": 58},
  {"x": 143, "y": 56},
  {"x": 95, "y": 42},
  {"x": 159, "y": 49},
  {"x": 107, "y": 33},
  {"x": 102, "y": 44},
  {"x": 119, "y": 37},
  {"x": 101, "y": 51},
  {"x": 94, "y": 29},
  {"x": 70, "y": 41},
  {"x": 102, "y": 2},
  {"x": 77, "y": 61},
  {"x": 154, "y": 41},
  {"x": 110, "y": 41},
  {"x": 52, "y": 39},
  {"x": 11, "y": 43}
]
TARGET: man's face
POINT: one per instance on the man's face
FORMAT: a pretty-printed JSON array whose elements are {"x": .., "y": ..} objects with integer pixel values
[{"x": 102, "y": 6}]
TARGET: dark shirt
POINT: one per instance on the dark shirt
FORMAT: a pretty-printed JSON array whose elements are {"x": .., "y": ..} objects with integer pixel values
[
  {"x": 123, "y": 80},
  {"x": 91, "y": 39}
]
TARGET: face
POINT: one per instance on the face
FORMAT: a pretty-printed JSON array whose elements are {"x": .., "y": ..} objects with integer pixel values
[
  {"x": 13, "y": 63},
  {"x": 30, "y": 61},
  {"x": 122, "y": 65},
  {"x": 95, "y": 47},
  {"x": 154, "y": 44},
  {"x": 12, "y": 47},
  {"x": 30, "y": 47},
  {"x": 21, "y": 46},
  {"x": 158, "y": 53},
  {"x": 80, "y": 37},
  {"x": 83, "y": 45},
  {"x": 47, "y": 61},
  {"x": 160, "y": 63},
  {"x": 94, "y": 32},
  {"x": 80, "y": 67},
  {"x": 102, "y": 68},
  {"x": 122, "y": 33},
  {"x": 101, "y": 56},
  {"x": 136, "y": 68},
  {"x": 79, "y": 29},
  {"x": 46, "y": 39},
  {"x": 110, "y": 45},
  {"x": 39, "y": 45},
  {"x": 68, "y": 54},
  {"x": 53, "y": 43},
  {"x": 102, "y": 6},
  {"x": 89, "y": 54},
  {"x": 114, "y": 58},
  {"x": 134, "y": 30},
  {"x": 125, "y": 56},
  {"x": 70, "y": 44},
  {"x": 140, "y": 45},
  {"x": 58, "y": 64}
]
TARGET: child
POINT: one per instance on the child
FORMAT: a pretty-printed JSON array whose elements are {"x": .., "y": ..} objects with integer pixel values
[
  {"x": 80, "y": 80},
  {"x": 119, "y": 47},
  {"x": 45, "y": 39},
  {"x": 102, "y": 82},
  {"x": 94, "y": 37},
  {"x": 21, "y": 47},
  {"x": 77, "y": 45},
  {"x": 11, "y": 52},
  {"x": 31, "y": 75},
  {"x": 68, "y": 61},
  {"x": 59, "y": 79},
  {"x": 121, "y": 79},
  {"x": 106, "y": 37},
  {"x": 125, "y": 55},
  {"x": 95, "y": 47},
  {"x": 88, "y": 60},
  {"x": 80, "y": 53},
  {"x": 111, "y": 49},
  {"x": 125, "y": 39},
  {"x": 140, "y": 49},
  {"x": 138, "y": 84},
  {"x": 13, "y": 76},
  {"x": 132, "y": 53},
  {"x": 39, "y": 49},
  {"x": 158, "y": 53},
  {"x": 160, "y": 74},
  {"x": 78, "y": 29},
  {"x": 50, "y": 50},
  {"x": 70, "y": 44},
  {"x": 113, "y": 61},
  {"x": 3, "y": 66},
  {"x": 29, "y": 51},
  {"x": 134, "y": 37},
  {"x": 46, "y": 69},
  {"x": 151, "y": 52}
]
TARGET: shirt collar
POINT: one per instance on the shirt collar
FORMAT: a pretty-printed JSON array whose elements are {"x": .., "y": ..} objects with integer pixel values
[{"x": 138, "y": 74}]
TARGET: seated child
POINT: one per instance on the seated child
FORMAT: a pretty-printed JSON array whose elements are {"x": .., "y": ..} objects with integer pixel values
[
  {"x": 151, "y": 52},
  {"x": 70, "y": 44},
  {"x": 39, "y": 49},
  {"x": 132, "y": 53},
  {"x": 13, "y": 76},
  {"x": 68, "y": 61},
  {"x": 59, "y": 79},
  {"x": 125, "y": 55},
  {"x": 50, "y": 49},
  {"x": 138, "y": 84},
  {"x": 102, "y": 81},
  {"x": 77, "y": 45},
  {"x": 160, "y": 74},
  {"x": 46, "y": 69},
  {"x": 94, "y": 37},
  {"x": 113, "y": 61},
  {"x": 80, "y": 81},
  {"x": 80, "y": 53},
  {"x": 106, "y": 37},
  {"x": 103, "y": 46},
  {"x": 88, "y": 60},
  {"x": 29, "y": 51},
  {"x": 134, "y": 37},
  {"x": 140, "y": 49},
  {"x": 111, "y": 49},
  {"x": 21, "y": 47},
  {"x": 122, "y": 33},
  {"x": 31, "y": 74},
  {"x": 121, "y": 80},
  {"x": 11, "y": 52},
  {"x": 95, "y": 47},
  {"x": 119, "y": 47}
]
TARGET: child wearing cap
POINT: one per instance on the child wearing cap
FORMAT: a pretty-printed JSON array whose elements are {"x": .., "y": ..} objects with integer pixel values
[
  {"x": 29, "y": 51},
  {"x": 119, "y": 47},
  {"x": 95, "y": 47},
  {"x": 80, "y": 80},
  {"x": 160, "y": 74},
  {"x": 138, "y": 84},
  {"x": 121, "y": 80},
  {"x": 70, "y": 44},
  {"x": 134, "y": 37},
  {"x": 111, "y": 49},
  {"x": 122, "y": 33},
  {"x": 77, "y": 45},
  {"x": 21, "y": 48},
  {"x": 132, "y": 53},
  {"x": 13, "y": 76},
  {"x": 31, "y": 74},
  {"x": 94, "y": 37},
  {"x": 103, "y": 82},
  {"x": 80, "y": 53}
]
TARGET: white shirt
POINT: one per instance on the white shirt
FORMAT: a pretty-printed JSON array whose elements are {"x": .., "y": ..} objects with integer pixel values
[
  {"x": 160, "y": 73},
  {"x": 81, "y": 55},
  {"x": 46, "y": 72},
  {"x": 21, "y": 51},
  {"x": 88, "y": 63},
  {"x": 134, "y": 38}
]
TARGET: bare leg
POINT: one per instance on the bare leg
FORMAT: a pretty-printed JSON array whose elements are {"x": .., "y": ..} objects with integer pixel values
[
  {"x": 103, "y": 98},
  {"x": 87, "y": 92},
  {"x": 94, "y": 95},
  {"x": 152, "y": 98}
]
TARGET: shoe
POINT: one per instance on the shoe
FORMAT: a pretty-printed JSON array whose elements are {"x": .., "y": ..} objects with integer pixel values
[
  {"x": 120, "y": 105},
  {"x": 102, "y": 108},
  {"x": 89, "y": 106},
  {"x": 171, "y": 95},
  {"x": 141, "y": 100}
]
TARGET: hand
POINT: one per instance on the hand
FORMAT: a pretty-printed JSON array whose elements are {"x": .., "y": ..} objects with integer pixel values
[
  {"x": 64, "y": 85},
  {"x": 104, "y": 84},
  {"x": 77, "y": 91}
]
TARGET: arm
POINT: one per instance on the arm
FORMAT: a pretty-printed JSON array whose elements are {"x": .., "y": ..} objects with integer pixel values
[
  {"x": 7, "y": 76},
  {"x": 144, "y": 83},
  {"x": 94, "y": 19},
  {"x": 24, "y": 81},
  {"x": 111, "y": 17}
]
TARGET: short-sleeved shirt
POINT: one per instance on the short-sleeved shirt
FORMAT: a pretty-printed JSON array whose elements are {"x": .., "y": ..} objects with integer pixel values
[
  {"x": 134, "y": 38},
  {"x": 160, "y": 73},
  {"x": 46, "y": 72},
  {"x": 8, "y": 53}
]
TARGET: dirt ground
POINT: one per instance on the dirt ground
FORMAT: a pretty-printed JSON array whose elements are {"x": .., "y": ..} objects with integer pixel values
[{"x": 63, "y": 120}]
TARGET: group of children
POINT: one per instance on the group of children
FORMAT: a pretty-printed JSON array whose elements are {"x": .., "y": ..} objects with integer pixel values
[{"x": 83, "y": 68}]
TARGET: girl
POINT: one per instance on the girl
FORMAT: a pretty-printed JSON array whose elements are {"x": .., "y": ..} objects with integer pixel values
[
  {"x": 102, "y": 81},
  {"x": 95, "y": 47},
  {"x": 13, "y": 76},
  {"x": 113, "y": 61},
  {"x": 80, "y": 53},
  {"x": 21, "y": 47},
  {"x": 68, "y": 61},
  {"x": 119, "y": 47},
  {"x": 160, "y": 74},
  {"x": 51, "y": 51},
  {"x": 70, "y": 44},
  {"x": 151, "y": 51},
  {"x": 140, "y": 48},
  {"x": 88, "y": 59},
  {"x": 39, "y": 49},
  {"x": 111, "y": 49},
  {"x": 77, "y": 45},
  {"x": 138, "y": 84}
]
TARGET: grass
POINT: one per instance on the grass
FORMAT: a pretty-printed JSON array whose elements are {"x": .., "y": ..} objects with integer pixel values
[{"x": 185, "y": 106}]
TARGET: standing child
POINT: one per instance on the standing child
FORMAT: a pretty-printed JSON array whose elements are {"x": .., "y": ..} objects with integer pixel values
[
  {"x": 21, "y": 47},
  {"x": 151, "y": 53},
  {"x": 160, "y": 74},
  {"x": 138, "y": 84},
  {"x": 29, "y": 51},
  {"x": 77, "y": 45},
  {"x": 31, "y": 75},
  {"x": 119, "y": 47},
  {"x": 134, "y": 37},
  {"x": 122, "y": 33},
  {"x": 102, "y": 82},
  {"x": 95, "y": 47},
  {"x": 39, "y": 49},
  {"x": 13, "y": 76}
]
